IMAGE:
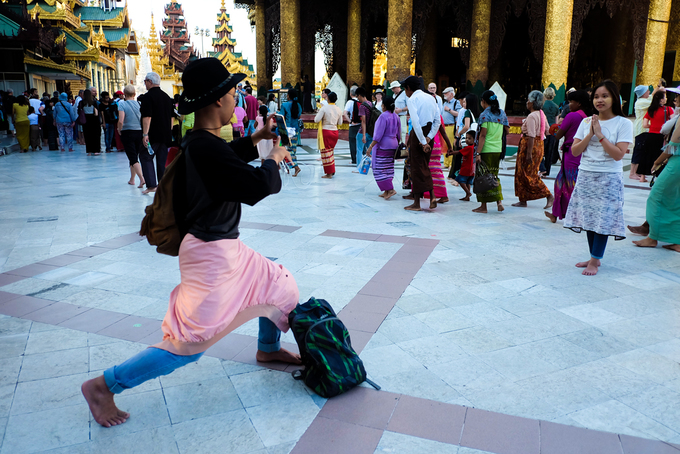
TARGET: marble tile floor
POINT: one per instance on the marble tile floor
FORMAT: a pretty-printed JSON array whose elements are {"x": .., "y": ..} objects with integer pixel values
[{"x": 495, "y": 317}]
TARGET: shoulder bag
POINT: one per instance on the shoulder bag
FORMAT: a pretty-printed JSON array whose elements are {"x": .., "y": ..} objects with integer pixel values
[{"x": 485, "y": 181}]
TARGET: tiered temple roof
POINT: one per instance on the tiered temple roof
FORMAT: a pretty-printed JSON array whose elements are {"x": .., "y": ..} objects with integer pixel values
[
  {"x": 175, "y": 37},
  {"x": 224, "y": 48},
  {"x": 160, "y": 63}
]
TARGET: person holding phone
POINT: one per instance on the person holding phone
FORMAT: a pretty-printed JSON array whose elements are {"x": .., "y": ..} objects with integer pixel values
[{"x": 223, "y": 282}]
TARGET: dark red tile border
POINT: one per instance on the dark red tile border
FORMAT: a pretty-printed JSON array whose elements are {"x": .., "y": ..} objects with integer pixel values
[
  {"x": 428, "y": 419},
  {"x": 330, "y": 436},
  {"x": 23, "y": 305},
  {"x": 499, "y": 433},
  {"x": 6, "y": 279},
  {"x": 633, "y": 445},
  {"x": 562, "y": 439},
  {"x": 31, "y": 270},
  {"x": 361, "y": 406}
]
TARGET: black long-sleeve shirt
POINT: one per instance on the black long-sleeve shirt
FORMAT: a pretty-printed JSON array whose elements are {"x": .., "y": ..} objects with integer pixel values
[{"x": 216, "y": 180}]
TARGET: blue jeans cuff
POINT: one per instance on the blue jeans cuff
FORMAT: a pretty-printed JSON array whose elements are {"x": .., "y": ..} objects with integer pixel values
[
  {"x": 269, "y": 348},
  {"x": 111, "y": 382}
]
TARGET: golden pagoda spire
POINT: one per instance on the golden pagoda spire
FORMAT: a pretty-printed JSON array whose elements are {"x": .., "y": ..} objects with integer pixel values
[{"x": 222, "y": 8}]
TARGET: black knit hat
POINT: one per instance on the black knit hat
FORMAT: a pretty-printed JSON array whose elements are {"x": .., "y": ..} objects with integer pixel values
[{"x": 205, "y": 81}]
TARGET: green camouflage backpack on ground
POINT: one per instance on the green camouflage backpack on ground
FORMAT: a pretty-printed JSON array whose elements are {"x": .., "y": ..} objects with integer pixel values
[{"x": 332, "y": 366}]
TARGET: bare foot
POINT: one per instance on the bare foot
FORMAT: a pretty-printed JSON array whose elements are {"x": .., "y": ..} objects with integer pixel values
[
  {"x": 465, "y": 199},
  {"x": 141, "y": 185},
  {"x": 390, "y": 194},
  {"x": 382, "y": 194},
  {"x": 297, "y": 170},
  {"x": 148, "y": 190},
  {"x": 520, "y": 204},
  {"x": 131, "y": 182},
  {"x": 591, "y": 269},
  {"x": 407, "y": 197},
  {"x": 643, "y": 179},
  {"x": 282, "y": 356},
  {"x": 433, "y": 204},
  {"x": 455, "y": 183},
  {"x": 550, "y": 216},
  {"x": 647, "y": 242},
  {"x": 481, "y": 209},
  {"x": 634, "y": 176},
  {"x": 549, "y": 203},
  {"x": 672, "y": 247},
  {"x": 328, "y": 177},
  {"x": 442, "y": 200},
  {"x": 640, "y": 230},
  {"x": 413, "y": 207},
  {"x": 100, "y": 400},
  {"x": 585, "y": 264},
  {"x": 500, "y": 207}
]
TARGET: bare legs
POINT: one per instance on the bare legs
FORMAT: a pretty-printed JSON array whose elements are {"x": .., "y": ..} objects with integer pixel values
[
  {"x": 482, "y": 207},
  {"x": 136, "y": 170}
]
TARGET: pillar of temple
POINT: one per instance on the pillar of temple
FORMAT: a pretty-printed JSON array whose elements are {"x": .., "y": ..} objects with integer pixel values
[
  {"x": 622, "y": 55},
  {"x": 556, "y": 46},
  {"x": 290, "y": 42},
  {"x": 478, "y": 69},
  {"x": 655, "y": 41},
  {"x": 426, "y": 58},
  {"x": 260, "y": 46},
  {"x": 399, "y": 25},
  {"x": 673, "y": 39},
  {"x": 354, "y": 74}
]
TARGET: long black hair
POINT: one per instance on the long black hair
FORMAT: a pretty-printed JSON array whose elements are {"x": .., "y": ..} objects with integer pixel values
[
  {"x": 656, "y": 102},
  {"x": 581, "y": 97},
  {"x": 613, "y": 92},
  {"x": 295, "y": 108},
  {"x": 388, "y": 103},
  {"x": 489, "y": 97},
  {"x": 472, "y": 104}
]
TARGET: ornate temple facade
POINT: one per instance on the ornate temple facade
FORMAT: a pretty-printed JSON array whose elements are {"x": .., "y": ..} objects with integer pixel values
[
  {"x": 65, "y": 45},
  {"x": 175, "y": 37},
  {"x": 224, "y": 47},
  {"x": 470, "y": 44}
]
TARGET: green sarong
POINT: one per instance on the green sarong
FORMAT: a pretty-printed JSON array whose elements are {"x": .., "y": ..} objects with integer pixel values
[{"x": 492, "y": 160}]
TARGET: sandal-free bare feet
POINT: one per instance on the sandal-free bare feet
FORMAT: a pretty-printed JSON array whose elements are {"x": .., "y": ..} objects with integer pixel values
[
  {"x": 585, "y": 264},
  {"x": 148, "y": 190},
  {"x": 640, "y": 230},
  {"x": 282, "y": 356},
  {"x": 520, "y": 204},
  {"x": 297, "y": 170},
  {"x": 328, "y": 177},
  {"x": 465, "y": 199},
  {"x": 141, "y": 185},
  {"x": 590, "y": 270},
  {"x": 672, "y": 247},
  {"x": 500, "y": 207},
  {"x": 412, "y": 208},
  {"x": 647, "y": 242},
  {"x": 433, "y": 204},
  {"x": 100, "y": 401},
  {"x": 407, "y": 197},
  {"x": 382, "y": 194},
  {"x": 549, "y": 204},
  {"x": 442, "y": 200},
  {"x": 390, "y": 194},
  {"x": 481, "y": 209},
  {"x": 550, "y": 216}
]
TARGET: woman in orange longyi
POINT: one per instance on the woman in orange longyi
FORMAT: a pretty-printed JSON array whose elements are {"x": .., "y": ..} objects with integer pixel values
[{"x": 528, "y": 183}]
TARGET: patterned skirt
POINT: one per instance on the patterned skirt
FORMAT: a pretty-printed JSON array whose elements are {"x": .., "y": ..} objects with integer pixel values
[
  {"x": 383, "y": 168},
  {"x": 438, "y": 180},
  {"x": 528, "y": 183},
  {"x": 596, "y": 204},
  {"x": 292, "y": 149},
  {"x": 330, "y": 139},
  {"x": 564, "y": 187},
  {"x": 492, "y": 161}
]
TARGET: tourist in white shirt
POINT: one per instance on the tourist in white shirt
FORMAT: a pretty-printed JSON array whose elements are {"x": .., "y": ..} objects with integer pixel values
[
  {"x": 351, "y": 116},
  {"x": 425, "y": 121},
  {"x": 432, "y": 88},
  {"x": 400, "y": 107}
]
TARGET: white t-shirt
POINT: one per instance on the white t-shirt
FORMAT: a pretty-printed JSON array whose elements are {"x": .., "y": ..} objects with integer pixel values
[
  {"x": 33, "y": 119},
  {"x": 36, "y": 104},
  {"x": 595, "y": 159},
  {"x": 349, "y": 106}
]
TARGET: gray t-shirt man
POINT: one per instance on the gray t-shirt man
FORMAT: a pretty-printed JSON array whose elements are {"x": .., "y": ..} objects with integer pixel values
[{"x": 132, "y": 120}]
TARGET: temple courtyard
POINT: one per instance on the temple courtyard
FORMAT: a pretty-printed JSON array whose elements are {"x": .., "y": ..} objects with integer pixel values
[{"x": 483, "y": 335}]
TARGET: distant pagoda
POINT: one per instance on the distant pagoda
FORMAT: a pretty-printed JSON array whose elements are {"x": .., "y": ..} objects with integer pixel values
[
  {"x": 224, "y": 48},
  {"x": 175, "y": 37},
  {"x": 160, "y": 63}
]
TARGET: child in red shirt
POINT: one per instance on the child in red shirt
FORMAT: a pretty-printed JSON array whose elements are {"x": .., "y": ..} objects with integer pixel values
[{"x": 466, "y": 174}]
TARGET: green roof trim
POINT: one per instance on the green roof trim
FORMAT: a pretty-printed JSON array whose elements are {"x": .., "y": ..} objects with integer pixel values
[
  {"x": 88, "y": 13},
  {"x": 8, "y": 27},
  {"x": 74, "y": 45},
  {"x": 116, "y": 34},
  {"x": 43, "y": 5}
]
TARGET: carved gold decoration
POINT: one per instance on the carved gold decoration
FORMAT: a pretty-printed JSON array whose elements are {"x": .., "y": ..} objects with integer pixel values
[
  {"x": 655, "y": 42},
  {"x": 47, "y": 63},
  {"x": 354, "y": 54},
  {"x": 556, "y": 45},
  {"x": 63, "y": 13},
  {"x": 261, "y": 45},
  {"x": 479, "y": 44},
  {"x": 399, "y": 39},
  {"x": 290, "y": 42},
  {"x": 115, "y": 22}
]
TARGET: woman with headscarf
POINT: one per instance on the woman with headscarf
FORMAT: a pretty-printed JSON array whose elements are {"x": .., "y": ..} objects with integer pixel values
[
  {"x": 329, "y": 117},
  {"x": 492, "y": 123},
  {"x": 65, "y": 119},
  {"x": 92, "y": 129},
  {"x": 528, "y": 183},
  {"x": 386, "y": 136},
  {"x": 291, "y": 111}
]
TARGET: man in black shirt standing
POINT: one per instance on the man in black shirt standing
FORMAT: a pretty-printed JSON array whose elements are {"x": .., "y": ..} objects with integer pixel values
[{"x": 157, "y": 114}]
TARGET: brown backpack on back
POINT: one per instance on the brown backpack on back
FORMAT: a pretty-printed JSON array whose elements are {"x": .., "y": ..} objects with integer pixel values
[{"x": 159, "y": 225}]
